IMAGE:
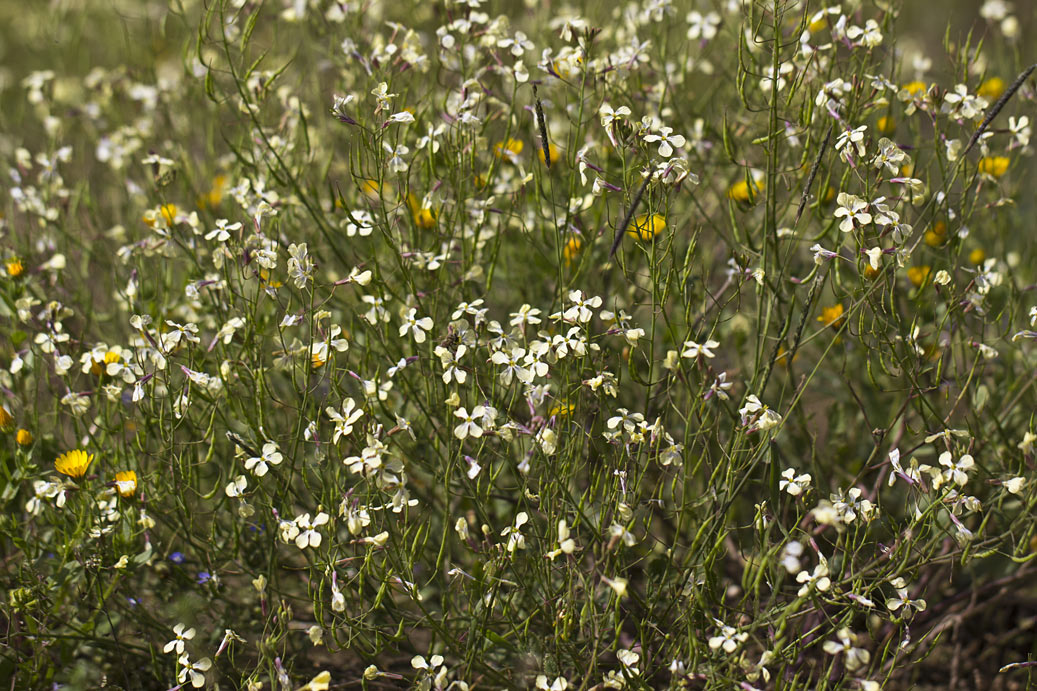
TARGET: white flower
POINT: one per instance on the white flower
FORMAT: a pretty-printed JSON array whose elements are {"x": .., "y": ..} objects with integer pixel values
[
  {"x": 469, "y": 427},
  {"x": 870, "y": 36},
  {"x": 956, "y": 471},
  {"x": 177, "y": 644},
  {"x": 695, "y": 350},
  {"x": 889, "y": 156},
  {"x": 236, "y": 487},
  {"x": 308, "y": 535},
  {"x": 515, "y": 538},
  {"x": 451, "y": 362},
  {"x": 193, "y": 670},
  {"x": 223, "y": 230},
  {"x": 902, "y": 599},
  {"x": 852, "y": 209},
  {"x": 821, "y": 254},
  {"x": 758, "y": 415},
  {"x": 344, "y": 420},
  {"x": 581, "y": 308},
  {"x": 960, "y": 104},
  {"x": 794, "y": 484},
  {"x": 702, "y": 26},
  {"x": 851, "y": 139},
  {"x": 512, "y": 366},
  {"x": 667, "y": 143},
  {"x": 360, "y": 223},
  {"x": 855, "y": 658},
  {"x": 300, "y": 266},
  {"x": 729, "y": 638},
  {"x": 817, "y": 579},
  {"x": 416, "y": 326},
  {"x": 528, "y": 315},
  {"x": 719, "y": 388},
  {"x": 259, "y": 465}
]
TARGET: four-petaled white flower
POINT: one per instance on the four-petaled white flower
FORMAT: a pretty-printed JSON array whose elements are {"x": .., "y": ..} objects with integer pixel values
[
  {"x": 193, "y": 671},
  {"x": 177, "y": 644},
  {"x": 849, "y": 140},
  {"x": 853, "y": 210},
  {"x": 469, "y": 426},
  {"x": 702, "y": 26},
  {"x": 794, "y": 484},
  {"x": 817, "y": 579},
  {"x": 729, "y": 638},
  {"x": 854, "y": 658},
  {"x": 956, "y": 471},
  {"x": 667, "y": 142},
  {"x": 259, "y": 465},
  {"x": 581, "y": 308},
  {"x": 308, "y": 535},
  {"x": 416, "y": 326},
  {"x": 694, "y": 350},
  {"x": 344, "y": 420}
]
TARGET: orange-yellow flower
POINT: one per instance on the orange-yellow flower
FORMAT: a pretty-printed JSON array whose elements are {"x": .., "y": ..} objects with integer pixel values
[
  {"x": 742, "y": 191},
  {"x": 918, "y": 275},
  {"x": 6, "y": 419},
  {"x": 552, "y": 149},
  {"x": 887, "y": 125},
  {"x": 23, "y": 437},
  {"x": 915, "y": 88},
  {"x": 571, "y": 249},
  {"x": 212, "y": 198},
  {"x": 371, "y": 189},
  {"x": 935, "y": 236},
  {"x": 560, "y": 409},
  {"x": 991, "y": 89},
  {"x": 73, "y": 463},
  {"x": 645, "y": 226},
  {"x": 424, "y": 216},
  {"x": 832, "y": 315},
  {"x": 15, "y": 268},
  {"x": 126, "y": 483},
  {"x": 977, "y": 256},
  {"x": 994, "y": 165},
  {"x": 508, "y": 149}
]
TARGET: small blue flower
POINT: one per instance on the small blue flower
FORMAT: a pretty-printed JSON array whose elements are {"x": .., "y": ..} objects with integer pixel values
[
  {"x": 177, "y": 557},
  {"x": 203, "y": 577}
]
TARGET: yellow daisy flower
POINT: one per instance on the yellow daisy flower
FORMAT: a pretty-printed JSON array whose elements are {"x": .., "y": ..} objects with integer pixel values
[{"x": 73, "y": 463}]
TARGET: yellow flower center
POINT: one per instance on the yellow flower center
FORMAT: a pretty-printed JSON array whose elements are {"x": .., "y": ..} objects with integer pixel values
[{"x": 15, "y": 268}]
